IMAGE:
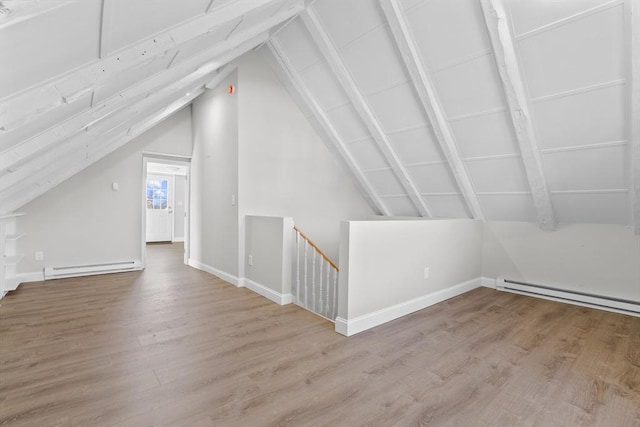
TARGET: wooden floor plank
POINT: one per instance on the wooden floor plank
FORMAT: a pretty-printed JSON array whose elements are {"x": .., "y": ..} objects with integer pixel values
[{"x": 176, "y": 346}]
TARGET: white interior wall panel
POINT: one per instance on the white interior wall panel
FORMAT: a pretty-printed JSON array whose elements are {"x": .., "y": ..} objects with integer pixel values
[
  {"x": 401, "y": 206},
  {"x": 580, "y": 53},
  {"x": 324, "y": 85},
  {"x": 470, "y": 87},
  {"x": 508, "y": 207},
  {"x": 594, "y": 169},
  {"x": 127, "y": 22},
  {"x": 38, "y": 49},
  {"x": 345, "y": 21},
  {"x": 348, "y": 124},
  {"x": 417, "y": 145},
  {"x": 447, "y": 205},
  {"x": 301, "y": 50},
  {"x": 385, "y": 106},
  {"x": 530, "y": 15},
  {"x": 604, "y": 208},
  {"x": 197, "y": 45},
  {"x": 367, "y": 154},
  {"x": 385, "y": 183},
  {"x": 591, "y": 117},
  {"x": 501, "y": 175},
  {"x": 373, "y": 61},
  {"x": 573, "y": 58},
  {"x": 448, "y": 30},
  {"x": 486, "y": 135},
  {"x": 433, "y": 178}
]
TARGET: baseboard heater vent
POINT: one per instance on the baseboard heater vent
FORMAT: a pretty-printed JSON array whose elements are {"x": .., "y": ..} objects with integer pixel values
[
  {"x": 90, "y": 270},
  {"x": 572, "y": 297}
]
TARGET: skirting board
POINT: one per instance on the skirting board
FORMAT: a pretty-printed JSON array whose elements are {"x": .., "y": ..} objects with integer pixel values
[
  {"x": 235, "y": 281},
  {"x": 488, "y": 282},
  {"x": 358, "y": 324},
  {"x": 37, "y": 276},
  {"x": 268, "y": 293}
]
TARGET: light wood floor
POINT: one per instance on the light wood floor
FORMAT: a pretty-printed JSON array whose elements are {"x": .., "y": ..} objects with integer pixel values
[{"x": 176, "y": 346}]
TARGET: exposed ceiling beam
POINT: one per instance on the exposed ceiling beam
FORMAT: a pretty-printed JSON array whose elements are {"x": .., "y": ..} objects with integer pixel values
[
  {"x": 49, "y": 169},
  {"x": 79, "y": 123},
  {"x": 29, "y": 105},
  {"x": 634, "y": 145},
  {"x": 361, "y": 106},
  {"x": 430, "y": 102},
  {"x": 312, "y": 104},
  {"x": 79, "y": 159},
  {"x": 15, "y": 11},
  {"x": 512, "y": 81}
]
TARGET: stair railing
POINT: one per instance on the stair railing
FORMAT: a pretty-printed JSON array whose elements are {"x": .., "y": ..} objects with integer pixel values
[{"x": 316, "y": 278}]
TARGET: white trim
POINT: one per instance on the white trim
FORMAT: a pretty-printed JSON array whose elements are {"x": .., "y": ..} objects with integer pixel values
[
  {"x": 230, "y": 278},
  {"x": 36, "y": 276},
  {"x": 267, "y": 292},
  {"x": 567, "y": 20},
  {"x": 177, "y": 240},
  {"x": 488, "y": 282},
  {"x": 358, "y": 324}
]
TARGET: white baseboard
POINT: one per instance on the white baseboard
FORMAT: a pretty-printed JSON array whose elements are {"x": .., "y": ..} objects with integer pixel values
[
  {"x": 177, "y": 240},
  {"x": 235, "y": 281},
  {"x": 488, "y": 282},
  {"x": 358, "y": 324},
  {"x": 268, "y": 293},
  {"x": 37, "y": 276}
]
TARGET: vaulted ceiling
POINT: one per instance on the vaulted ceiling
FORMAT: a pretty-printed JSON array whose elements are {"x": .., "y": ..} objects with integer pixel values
[{"x": 524, "y": 110}]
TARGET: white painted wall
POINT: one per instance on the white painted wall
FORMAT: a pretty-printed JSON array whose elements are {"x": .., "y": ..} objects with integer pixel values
[
  {"x": 285, "y": 167},
  {"x": 382, "y": 267},
  {"x": 257, "y": 145},
  {"x": 214, "y": 225},
  {"x": 268, "y": 246},
  {"x": 82, "y": 221},
  {"x": 593, "y": 258}
]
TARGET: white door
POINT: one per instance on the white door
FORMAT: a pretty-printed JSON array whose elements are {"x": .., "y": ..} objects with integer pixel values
[{"x": 159, "y": 208}]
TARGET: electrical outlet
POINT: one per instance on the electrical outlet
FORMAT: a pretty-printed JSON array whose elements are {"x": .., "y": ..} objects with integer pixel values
[
  {"x": 251, "y": 260},
  {"x": 426, "y": 272},
  {"x": 39, "y": 256}
]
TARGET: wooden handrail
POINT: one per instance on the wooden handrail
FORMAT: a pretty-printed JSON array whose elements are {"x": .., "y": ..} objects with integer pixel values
[{"x": 326, "y": 258}]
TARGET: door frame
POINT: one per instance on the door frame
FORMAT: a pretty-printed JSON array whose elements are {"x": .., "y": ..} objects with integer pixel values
[
  {"x": 171, "y": 178},
  {"x": 169, "y": 159}
]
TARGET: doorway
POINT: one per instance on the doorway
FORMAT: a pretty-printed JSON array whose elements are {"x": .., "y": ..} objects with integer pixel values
[{"x": 165, "y": 201}]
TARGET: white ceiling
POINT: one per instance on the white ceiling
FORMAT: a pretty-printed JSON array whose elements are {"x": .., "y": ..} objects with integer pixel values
[{"x": 524, "y": 110}]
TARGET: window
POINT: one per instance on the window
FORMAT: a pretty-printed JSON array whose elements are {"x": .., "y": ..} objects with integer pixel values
[{"x": 157, "y": 194}]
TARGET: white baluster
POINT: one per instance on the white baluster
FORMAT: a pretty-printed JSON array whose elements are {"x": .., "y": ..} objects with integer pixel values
[
  {"x": 297, "y": 267},
  {"x": 320, "y": 286},
  {"x": 313, "y": 280},
  {"x": 328, "y": 289},
  {"x": 335, "y": 293},
  {"x": 306, "y": 282}
]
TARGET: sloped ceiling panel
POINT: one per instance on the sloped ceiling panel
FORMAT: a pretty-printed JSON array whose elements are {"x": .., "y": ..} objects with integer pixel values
[
  {"x": 415, "y": 96},
  {"x": 573, "y": 65},
  {"x": 79, "y": 79}
]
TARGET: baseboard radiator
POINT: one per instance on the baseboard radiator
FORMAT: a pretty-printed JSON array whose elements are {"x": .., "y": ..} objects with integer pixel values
[
  {"x": 91, "y": 270},
  {"x": 572, "y": 297}
]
